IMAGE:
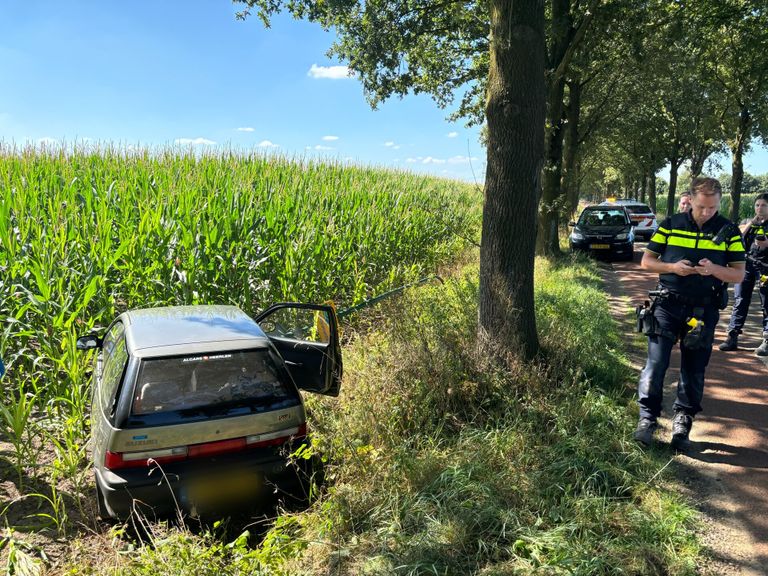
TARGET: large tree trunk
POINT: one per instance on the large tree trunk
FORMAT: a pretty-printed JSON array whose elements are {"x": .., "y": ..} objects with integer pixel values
[
  {"x": 737, "y": 165},
  {"x": 515, "y": 113}
]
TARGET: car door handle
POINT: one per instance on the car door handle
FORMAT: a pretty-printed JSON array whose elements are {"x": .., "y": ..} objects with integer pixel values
[{"x": 297, "y": 364}]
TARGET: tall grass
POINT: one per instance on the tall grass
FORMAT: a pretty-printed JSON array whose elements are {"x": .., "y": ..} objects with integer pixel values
[{"x": 443, "y": 461}]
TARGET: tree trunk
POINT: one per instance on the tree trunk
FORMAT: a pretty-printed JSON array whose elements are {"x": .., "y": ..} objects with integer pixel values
[
  {"x": 674, "y": 166},
  {"x": 548, "y": 242},
  {"x": 652, "y": 190},
  {"x": 515, "y": 114},
  {"x": 643, "y": 187},
  {"x": 570, "y": 177},
  {"x": 737, "y": 166},
  {"x": 562, "y": 34}
]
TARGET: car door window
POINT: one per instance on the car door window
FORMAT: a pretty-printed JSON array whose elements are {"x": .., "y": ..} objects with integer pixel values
[
  {"x": 307, "y": 338},
  {"x": 115, "y": 357}
]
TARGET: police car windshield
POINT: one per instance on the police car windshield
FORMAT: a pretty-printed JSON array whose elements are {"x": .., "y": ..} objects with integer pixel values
[
  {"x": 602, "y": 217},
  {"x": 187, "y": 382}
]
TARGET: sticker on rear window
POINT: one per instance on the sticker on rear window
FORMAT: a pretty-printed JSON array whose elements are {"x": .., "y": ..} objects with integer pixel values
[{"x": 207, "y": 358}]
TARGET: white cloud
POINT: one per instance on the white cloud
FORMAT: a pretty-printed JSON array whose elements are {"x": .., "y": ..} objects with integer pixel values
[
  {"x": 330, "y": 72},
  {"x": 330, "y": 138},
  {"x": 452, "y": 134},
  {"x": 194, "y": 141},
  {"x": 430, "y": 160},
  {"x": 392, "y": 145},
  {"x": 267, "y": 144},
  {"x": 462, "y": 159},
  {"x": 320, "y": 147},
  {"x": 246, "y": 129}
]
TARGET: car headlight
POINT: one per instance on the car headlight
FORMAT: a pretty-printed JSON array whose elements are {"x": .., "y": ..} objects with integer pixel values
[
  {"x": 622, "y": 236},
  {"x": 576, "y": 235}
]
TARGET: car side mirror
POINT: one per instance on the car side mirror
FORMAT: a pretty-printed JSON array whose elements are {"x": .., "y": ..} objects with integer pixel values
[{"x": 89, "y": 342}]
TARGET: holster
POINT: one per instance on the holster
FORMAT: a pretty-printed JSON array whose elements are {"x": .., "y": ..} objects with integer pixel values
[
  {"x": 721, "y": 297},
  {"x": 646, "y": 322}
]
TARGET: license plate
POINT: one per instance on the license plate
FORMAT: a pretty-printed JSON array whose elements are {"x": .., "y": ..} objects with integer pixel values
[
  {"x": 212, "y": 492},
  {"x": 599, "y": 246}
]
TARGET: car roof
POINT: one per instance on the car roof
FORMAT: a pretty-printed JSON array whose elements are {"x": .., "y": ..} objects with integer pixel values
[
  {"x": 623, "y": 203},
  {"x": 179, "y": 330},
  {"x": 604, "y": 206}
]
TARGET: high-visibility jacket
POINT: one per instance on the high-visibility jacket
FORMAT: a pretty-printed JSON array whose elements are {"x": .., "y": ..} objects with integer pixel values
[{"x": 678, "y": 237}]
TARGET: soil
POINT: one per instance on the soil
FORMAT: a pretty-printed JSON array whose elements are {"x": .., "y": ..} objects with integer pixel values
[{"x": 725, "y": 474}]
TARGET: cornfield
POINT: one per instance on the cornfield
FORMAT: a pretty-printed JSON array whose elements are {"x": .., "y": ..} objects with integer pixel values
[{"x": 88, "y": 233}]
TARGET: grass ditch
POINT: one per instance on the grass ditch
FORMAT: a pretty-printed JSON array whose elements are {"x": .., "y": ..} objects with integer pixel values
[{"x": 440, "y": 460}]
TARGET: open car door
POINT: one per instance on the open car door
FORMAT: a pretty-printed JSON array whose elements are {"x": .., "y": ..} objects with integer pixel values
[{"x": 307, "y": 337}]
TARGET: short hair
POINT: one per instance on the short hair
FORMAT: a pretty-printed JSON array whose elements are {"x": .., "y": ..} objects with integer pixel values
[
  {"x": 685, "y": 193},
  {"x": 763, "y": 196},
  {"x": 705, "y": 185}
]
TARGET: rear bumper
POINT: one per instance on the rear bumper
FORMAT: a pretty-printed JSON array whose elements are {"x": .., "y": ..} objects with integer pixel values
[
  {"x": 623, "y": 248},
  {"x": 165, "y": 491}
]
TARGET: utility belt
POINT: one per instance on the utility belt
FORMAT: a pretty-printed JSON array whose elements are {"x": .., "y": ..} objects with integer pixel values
[{"x": 694, "y": 334}]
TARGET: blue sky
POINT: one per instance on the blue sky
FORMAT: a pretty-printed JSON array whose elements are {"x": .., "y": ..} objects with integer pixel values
[{"x": 163, "y": 73}]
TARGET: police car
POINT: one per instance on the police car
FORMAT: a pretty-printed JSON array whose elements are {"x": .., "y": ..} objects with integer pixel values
[
  {"x": 643, "y": 218},
  {"x": 195, "y": 408}
]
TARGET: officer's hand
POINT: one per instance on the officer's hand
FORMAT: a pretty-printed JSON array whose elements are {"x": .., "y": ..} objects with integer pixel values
[
  {"x": 683, "y": 268},
  {"x": 705, "y": 267},
  {"x": 762, "y": 244}
]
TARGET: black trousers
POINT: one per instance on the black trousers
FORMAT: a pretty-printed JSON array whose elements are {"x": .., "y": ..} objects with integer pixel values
[
  {"x": 742, "y": 297},
  {"x": 671, "y": 317}
]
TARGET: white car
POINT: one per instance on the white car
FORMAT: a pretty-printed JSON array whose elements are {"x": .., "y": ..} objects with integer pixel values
[{"x": 643, "y": 218}]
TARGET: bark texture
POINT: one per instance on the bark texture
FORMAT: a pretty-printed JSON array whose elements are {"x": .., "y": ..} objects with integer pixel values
[{"x": 515, "y": 114}]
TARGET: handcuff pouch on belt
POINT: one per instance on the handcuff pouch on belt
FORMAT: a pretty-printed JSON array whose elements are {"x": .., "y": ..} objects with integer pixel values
[{"x": 697, "y": 336}]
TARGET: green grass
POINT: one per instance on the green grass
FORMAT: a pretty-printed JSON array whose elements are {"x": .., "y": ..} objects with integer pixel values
[{"x": 440, "y": 461}]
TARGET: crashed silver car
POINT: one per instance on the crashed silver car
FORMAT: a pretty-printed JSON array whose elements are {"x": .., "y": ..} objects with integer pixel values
[{"x": 195, "y": 408}]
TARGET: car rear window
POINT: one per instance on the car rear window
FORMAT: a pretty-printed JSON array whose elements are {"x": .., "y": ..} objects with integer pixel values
[
  {"x": 603, "y": 217},
  {"x": 190, "y": 383}
]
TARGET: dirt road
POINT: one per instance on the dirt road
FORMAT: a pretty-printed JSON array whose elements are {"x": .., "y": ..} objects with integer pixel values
[{"x": 726, "y": 471}]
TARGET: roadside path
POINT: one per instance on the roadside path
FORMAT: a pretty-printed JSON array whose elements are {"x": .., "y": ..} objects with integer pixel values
[{"x": 726, "y": 471}]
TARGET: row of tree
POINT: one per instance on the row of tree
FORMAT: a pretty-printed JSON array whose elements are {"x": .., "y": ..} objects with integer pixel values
[{"x": 566, "y": 89}]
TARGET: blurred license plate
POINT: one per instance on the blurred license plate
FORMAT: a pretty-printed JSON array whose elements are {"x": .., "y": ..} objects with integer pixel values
[
  {"x": 217, "y": 491},
  {"x": 599, "y": 246}
]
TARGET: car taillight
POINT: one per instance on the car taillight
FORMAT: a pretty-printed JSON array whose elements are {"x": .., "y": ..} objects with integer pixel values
[
  {"x": 276, "y": 438},
  {"x": 119, "y": 460}
]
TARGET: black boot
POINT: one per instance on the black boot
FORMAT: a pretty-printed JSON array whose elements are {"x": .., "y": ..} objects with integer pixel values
[
  {"x": 644, "y": 431},
  {"x": 681, "y": 428},
  {"x": 763, "y": 349},
  {"x": 731, "y": 342}
]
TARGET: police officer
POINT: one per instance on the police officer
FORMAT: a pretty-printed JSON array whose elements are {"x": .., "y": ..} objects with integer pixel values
[
  {"x": 685, "y": 202},
  {"x": 755, "y": 240},
  {"x": 694, "y": 253}
]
